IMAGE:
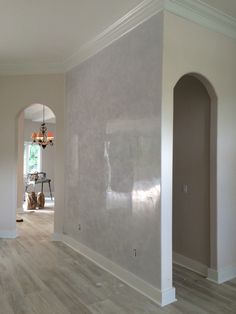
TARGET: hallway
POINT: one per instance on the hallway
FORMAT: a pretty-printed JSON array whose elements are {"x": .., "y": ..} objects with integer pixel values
[{"x": 45, "y": 277}]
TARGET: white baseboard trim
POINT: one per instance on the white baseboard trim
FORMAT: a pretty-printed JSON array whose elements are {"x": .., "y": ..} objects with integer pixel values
[
  {"x": 213, "y": 275},
  {"x": 222, "y": 275},
  {"x": 57, "y": 237},
  {"x": 168, "y": 296},
  {"x": 162, "y": 298},
  {"x": 8, "y": 234},
  {"x": 190, "y": 264}
]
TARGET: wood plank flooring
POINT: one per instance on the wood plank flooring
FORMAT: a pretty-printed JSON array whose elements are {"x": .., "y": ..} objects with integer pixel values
[{"x": 38, "y": 276}]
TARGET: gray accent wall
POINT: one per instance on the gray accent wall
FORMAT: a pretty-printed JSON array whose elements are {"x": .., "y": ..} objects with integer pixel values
[{"x": 113, "y": 152}]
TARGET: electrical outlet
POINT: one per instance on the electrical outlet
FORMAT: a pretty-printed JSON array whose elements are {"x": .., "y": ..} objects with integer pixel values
[{"x": 135, "y": 252}]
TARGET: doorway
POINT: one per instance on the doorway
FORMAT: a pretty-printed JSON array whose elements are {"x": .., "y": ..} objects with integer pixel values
[
  {"x": 193, "y": 175},
  {"x": 35, "y": 165}
]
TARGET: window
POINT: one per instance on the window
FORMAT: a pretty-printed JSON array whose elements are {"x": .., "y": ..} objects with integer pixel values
[{"x": 32, "y": 158}]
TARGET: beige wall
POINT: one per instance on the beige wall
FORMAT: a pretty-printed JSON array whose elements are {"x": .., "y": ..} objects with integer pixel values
[
  {"x": 189, "y": 47},
  {"x": 16, "y": 93},
  {"x": 191, "y": 170}
]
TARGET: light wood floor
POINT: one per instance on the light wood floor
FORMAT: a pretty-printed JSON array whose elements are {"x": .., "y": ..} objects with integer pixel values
[{"x": 44, "y": 277}]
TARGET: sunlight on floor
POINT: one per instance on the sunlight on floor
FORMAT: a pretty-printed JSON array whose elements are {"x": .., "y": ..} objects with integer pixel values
[{"x": 49, "y": 205}]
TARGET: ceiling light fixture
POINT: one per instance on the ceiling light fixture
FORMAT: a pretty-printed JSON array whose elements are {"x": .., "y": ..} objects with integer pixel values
[{"x": 43, "y": 137}]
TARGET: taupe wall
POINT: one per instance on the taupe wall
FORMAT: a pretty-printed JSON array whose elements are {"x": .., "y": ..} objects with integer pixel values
[
  {"x": 48, "y": 158},
  {"x": 112, "y": 188},
  {"x": 191, "y": 199}
]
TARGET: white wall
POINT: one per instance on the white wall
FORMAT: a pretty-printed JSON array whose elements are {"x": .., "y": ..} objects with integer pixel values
[
  {"x": 189, "y": 47},
  {"x": 47, "y": 154},
  {"x": 16, "y": 93}
]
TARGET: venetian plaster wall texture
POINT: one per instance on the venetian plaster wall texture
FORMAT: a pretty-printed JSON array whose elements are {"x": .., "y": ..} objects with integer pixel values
[{"x": 113, "y": 123}]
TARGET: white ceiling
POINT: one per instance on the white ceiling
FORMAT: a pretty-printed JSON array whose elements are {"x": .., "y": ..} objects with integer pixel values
[
  {"x": 35, "y": 113},
  {"x": 52, "y": 31}
]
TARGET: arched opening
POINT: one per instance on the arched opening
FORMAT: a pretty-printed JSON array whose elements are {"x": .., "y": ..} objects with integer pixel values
[
  {"x": 35, "y": 164},
  {"x": 194, "y": 174}
]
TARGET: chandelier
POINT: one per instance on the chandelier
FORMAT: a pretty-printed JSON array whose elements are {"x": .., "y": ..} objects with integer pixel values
[{"x": 43, "y": 137}]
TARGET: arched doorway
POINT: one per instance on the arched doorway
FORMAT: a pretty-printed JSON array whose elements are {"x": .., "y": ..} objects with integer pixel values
[
  {"x": 32, "y": 158},
  {"x": 194, "y": 174}
]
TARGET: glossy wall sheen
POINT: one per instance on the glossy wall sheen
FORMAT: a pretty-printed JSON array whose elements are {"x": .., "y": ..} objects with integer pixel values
[{"x": 113, "y": 164}]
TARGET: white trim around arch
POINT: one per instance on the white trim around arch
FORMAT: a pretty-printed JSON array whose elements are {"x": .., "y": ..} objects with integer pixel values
[
  {"x": 167, "y": 176},
  {"x": 213, "y": 166}
]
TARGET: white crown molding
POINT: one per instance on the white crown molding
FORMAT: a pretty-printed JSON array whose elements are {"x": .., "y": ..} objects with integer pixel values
[
  {"x": 129, "y": 21},
  {"x": 203, "y": 14},
  {"x": 193, "y": 10},
  {"x": 162, "y": 298}
]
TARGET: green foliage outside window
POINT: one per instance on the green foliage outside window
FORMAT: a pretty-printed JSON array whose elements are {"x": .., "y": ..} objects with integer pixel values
[
  {"x": 33, "y": 155},
  {"x": 33, "y": 158}
]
